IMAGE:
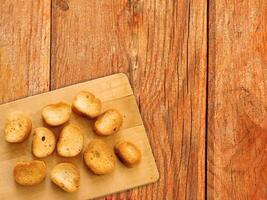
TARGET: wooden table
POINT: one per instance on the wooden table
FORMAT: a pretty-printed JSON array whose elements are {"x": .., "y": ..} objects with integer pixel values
[{"x": 198, "y": 70}]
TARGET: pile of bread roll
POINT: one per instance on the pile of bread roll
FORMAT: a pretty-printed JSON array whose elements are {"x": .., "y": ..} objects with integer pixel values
[{"x": 98, "y": 156}]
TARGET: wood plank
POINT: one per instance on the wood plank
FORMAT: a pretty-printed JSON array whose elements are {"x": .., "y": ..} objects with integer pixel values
[
  {"x": 162, "y": 47},
  {"x": 170, "y": 82},
  {"x": 24, "y": 48},
  {"x": 85, "y": 40},
  {"x": 237, "y": 137},
  {"x": 91, "y": 186}
]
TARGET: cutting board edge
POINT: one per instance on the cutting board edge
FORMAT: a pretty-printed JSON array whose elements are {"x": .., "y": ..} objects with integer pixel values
[{"x": 123, "y": 75}]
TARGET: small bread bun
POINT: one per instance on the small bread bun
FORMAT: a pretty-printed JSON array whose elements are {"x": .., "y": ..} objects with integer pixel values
[
  {"x": 30, "y": 173},
  {"x": 18, "y": 128},
  {"x": 43, "y": 142},
  {"x": 70, "y": 141},
  {"x": 66, "y": 176},
  {"x": 128, "y": 153},
  {"x": 85, "y": 103},
  {"x": 99, "y": 158},
  {"x": 108, "y": 123},
  {"x": 56, "y": 114}
]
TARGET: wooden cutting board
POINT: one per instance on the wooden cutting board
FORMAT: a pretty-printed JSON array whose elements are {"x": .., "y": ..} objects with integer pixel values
[{"x": 115, "y": 92}]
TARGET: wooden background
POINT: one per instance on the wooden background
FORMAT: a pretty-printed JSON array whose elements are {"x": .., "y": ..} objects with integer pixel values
[{"x": 198, "y": 70}]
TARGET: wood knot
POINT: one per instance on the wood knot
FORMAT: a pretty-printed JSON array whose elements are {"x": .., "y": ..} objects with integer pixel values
[
  {"x": 63, "y": 5},
  {"x": 135, "y": 7},
  {"x": 133, "y": 2}
]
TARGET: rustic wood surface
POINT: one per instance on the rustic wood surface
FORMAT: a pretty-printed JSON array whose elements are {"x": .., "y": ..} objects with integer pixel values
[
  {"x": 237, "y": 128},
  {"x": 24, "y": 48},
  {"x": 162, "y": 47}
]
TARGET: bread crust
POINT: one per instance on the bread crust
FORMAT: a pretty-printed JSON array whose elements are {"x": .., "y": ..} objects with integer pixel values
[
  {"x": 86, "y": 104},
  {"x": 43, "y": 142},
  {"x": 108, "y": 123},
  {"x": 30, "y": 173},
  {"x": 70, "y": 141},
  {"x": 99, "y": 158},
  {"x": 56, "y": 114},
  {"x": 18, "y": 128},
  {"x": 128, "y": 153},
  {"x": 66, "y": 176}
]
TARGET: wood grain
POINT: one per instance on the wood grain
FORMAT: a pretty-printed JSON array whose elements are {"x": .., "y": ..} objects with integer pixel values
[
  {"x": 237, "y": 131},
  {"x": 85, "y": 40},
  {"x": 24, "y": 48},
  {"x": 162, "y": 46},
  {"x": 91, "y": 186}
]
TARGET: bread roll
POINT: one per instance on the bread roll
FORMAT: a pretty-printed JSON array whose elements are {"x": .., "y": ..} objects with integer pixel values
[
  {"x": 66, "y": 176},
  {"x": 70, "y": 141},
  {"x": 85, "y": 103},
  {"x": 99, "y": 157},
  {"x": 128, "y": 153},
  {"x": 108, "y": 123},
  {"x": 18, "y": 128},
  {"x": 56, "y": 114},
  {"x": 30, "y": 172},
  {"x": 43, "y": 142}
]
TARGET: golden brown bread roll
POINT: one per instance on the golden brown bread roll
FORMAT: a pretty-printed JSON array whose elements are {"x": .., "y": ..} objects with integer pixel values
[
  {"x": 108, "y": 123},
  {"x": 18, "y": 128},
  {"x": 30, "y": 172},
  {"x": 85, "y": 103},
  {"x": 70, "y": 141},
  {"x": 56, "y": 114},
  {"x": 43, "y": 142},
  {"x": 99, "y": 157},
  {"x": 128, "y": 153},
  {"x": 66, "y": 176}
]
